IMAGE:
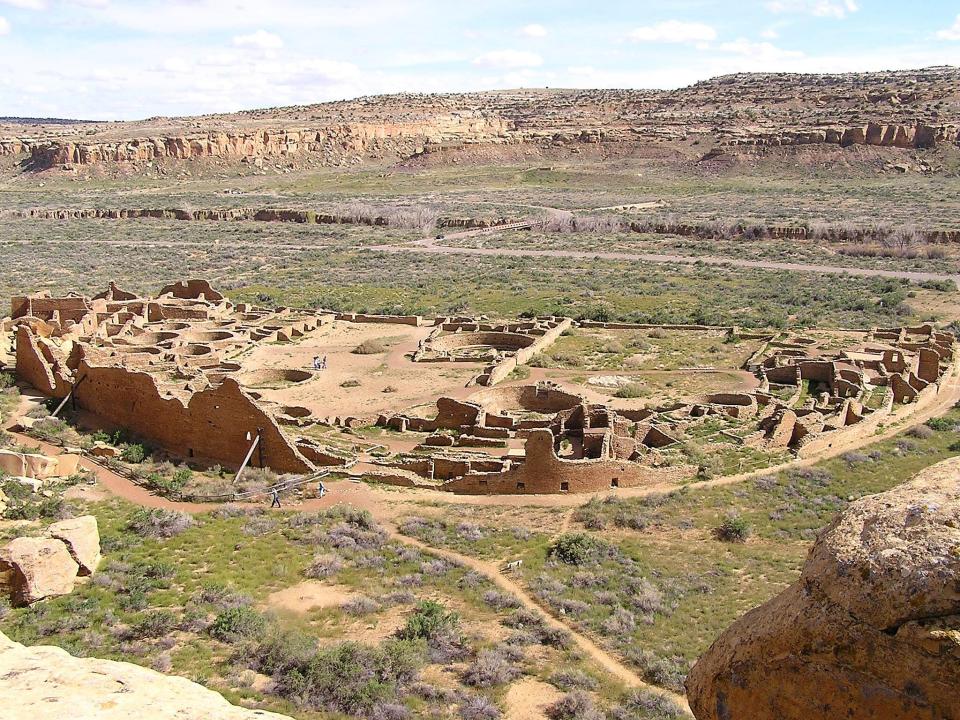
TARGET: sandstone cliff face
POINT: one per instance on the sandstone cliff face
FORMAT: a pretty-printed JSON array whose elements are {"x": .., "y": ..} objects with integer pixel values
[
  {"x": 47, "y": 683},
  {"x": 871, "y": 629},
  {"x": 906, "y": 109}
]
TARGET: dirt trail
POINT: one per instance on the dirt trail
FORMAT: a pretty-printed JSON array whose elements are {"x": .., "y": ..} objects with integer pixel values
[
  {"x": 590, "y": 648},
  {"x": 432, "y": 246}
]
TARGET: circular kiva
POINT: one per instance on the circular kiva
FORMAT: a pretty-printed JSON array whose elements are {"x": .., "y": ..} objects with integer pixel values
[
  {"x": 525, "y": 398},
  {"x": 481, "y": 340},
  {"x": 266, "y": 377},
  {"x": 150, "y": 338}
]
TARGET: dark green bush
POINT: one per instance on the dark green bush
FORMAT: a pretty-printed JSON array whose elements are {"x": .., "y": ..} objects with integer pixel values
[
  {"x": 238, "y": 623},
  {"x": 733, "y": 529},
  {"x": 577, "y": 549}
]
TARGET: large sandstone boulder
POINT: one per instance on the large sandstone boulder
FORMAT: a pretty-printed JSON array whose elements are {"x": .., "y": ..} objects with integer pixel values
[
  {"x": 47, "y": 683},
  {"x": 36, "y": 568},
  {"x": 82, "y": 539},
  {"x": 871, "y": 629}
]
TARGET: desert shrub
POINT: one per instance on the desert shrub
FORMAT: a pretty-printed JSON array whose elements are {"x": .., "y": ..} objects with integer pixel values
[
  {"x": 492, "y": 666},
  {"x": 668, "y": 672},
  {"x": 633, "y": 390},
  {"x": 134, "y": 453},
  {"x": 350, "y": 383},
  {"x": 478, "y": 707},
  {"x": 499, "y": 600},
  {"x": 646, "y": 705},
  {"x": 577, "y": 549},
  {"x": 360, "y": 605},
  {"x": 370, "y": 347},
  {"x": 238, "y": 623},
  {"x": 324, "y": 566},
  {"x": 941, "y": 424},
  {"x": 854, "y": 458},
  {"x": 429, "y": 620},
  {"x": 159, "y": 523},
  {"x": 154, "y": 625},
  {"x": 621, "y": 623},
  {"x": 733, "y": 529},
  {"x": 904, "y": 446},
  {"x": 350, "y": 678},
  {"x": 921, "y": 432},
  {"x": 390, "y": 711},
  {"x": 568, "y": 680},
  {"x": 576, "y": 705},
  {"x": 279, "y": 651}
]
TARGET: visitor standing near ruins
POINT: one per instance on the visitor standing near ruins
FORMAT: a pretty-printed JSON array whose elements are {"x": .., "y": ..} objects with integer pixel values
[
  {"x": 321, "y": 489},
  {"x": 316, "y": 362},
  {"x": 274, "y": 498},
  {"x": 323, "y": 363}
]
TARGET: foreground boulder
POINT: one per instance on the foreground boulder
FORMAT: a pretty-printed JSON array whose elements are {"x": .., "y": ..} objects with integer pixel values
[
  {"x": 47, "y": 682},
  {"x": 82, "y": 539},
  {"x": 36, "y": 568},
  {"x": 871, "y": 629}
]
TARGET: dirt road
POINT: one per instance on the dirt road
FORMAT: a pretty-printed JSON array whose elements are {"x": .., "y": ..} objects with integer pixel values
[{"x": 435, "y": 247}]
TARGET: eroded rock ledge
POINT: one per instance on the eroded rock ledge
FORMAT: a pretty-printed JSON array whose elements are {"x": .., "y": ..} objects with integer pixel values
[
  {"x": 871, "y": 629},
  {"x": 44, "y": 682}
]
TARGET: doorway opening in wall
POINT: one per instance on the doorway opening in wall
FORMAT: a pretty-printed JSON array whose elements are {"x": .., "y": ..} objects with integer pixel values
[
  {"x": 615, "y": 483},
  {"x": 189, "y": 452},
  {"x": 521, "y": 486},
  {"x": 564, "y": 486}
]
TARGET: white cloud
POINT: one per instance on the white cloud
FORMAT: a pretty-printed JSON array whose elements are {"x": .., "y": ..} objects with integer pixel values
[
  {"x": 762, "y": 52},
  {"x": 4, "y": 26},
  {"x": 508, "y": 59},
  {"x": 26, "y": 4},
  {"x": 952, "y": 32},
  {"x": 771, "y": 33},
  {"x": 259, "y": 40},
  {"x": 534, "y": 30},
  {"x": 674, "y": 31},
  {"x": 838, "y": 9}
]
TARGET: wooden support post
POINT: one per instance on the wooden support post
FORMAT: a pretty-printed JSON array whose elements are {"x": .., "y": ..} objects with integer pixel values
[
  {"x": 260, "y": 445},
  {"x": 243, "y": 465}
]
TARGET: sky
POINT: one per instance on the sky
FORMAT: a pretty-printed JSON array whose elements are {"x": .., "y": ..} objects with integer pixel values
[{"x": 133, "y": 59}]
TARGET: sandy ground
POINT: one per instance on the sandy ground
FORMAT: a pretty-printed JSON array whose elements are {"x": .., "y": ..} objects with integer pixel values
[
  {"x": 323, "y": 394},
  {"x": 309, "y": 595},
  {"x": 529, "y": 698}
]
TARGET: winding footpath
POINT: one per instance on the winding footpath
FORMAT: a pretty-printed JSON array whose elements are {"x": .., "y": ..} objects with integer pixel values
[{"x": 385, "y": 505}]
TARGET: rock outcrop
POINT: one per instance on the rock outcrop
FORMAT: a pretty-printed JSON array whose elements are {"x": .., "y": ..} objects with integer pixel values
[
  {"x": 44, "y": 683},
  {"x": 904, "y": 109},
  {"x": 35, "y": 568},
  {"x": 82, "y": 539},
  {"x": 871, "y": 629}
]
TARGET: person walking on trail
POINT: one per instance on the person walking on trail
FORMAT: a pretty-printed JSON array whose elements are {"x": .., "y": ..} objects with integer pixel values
[
  {"x": 274, "y": 498},
  {"x": 321, "y": 489},
  {"x": 316, "y": 362},
  {"x": 323, "y": 363}
]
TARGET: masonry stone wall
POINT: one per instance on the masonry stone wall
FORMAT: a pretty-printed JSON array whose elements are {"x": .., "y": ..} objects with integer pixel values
[
  {"x": 543, "y": 472},
  {"x": 211, "y": 425}
]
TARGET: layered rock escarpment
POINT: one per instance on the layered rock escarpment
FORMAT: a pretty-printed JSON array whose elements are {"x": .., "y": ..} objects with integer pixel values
[
  {"x": 871, "y": 629},
  {"x": 904, "y": 109},
  {"x": 47, "y": 683}
]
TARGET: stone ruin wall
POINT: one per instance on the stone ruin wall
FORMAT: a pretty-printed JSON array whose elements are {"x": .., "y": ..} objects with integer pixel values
[
  {"x": 542, "y": 472},
  {"x": 211, "y": 425}
]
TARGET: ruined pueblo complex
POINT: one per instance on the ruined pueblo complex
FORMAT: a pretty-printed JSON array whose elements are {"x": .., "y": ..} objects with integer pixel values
[
  {"x": 509, "y": 403},
  {"x": 213, "y": 382}
]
